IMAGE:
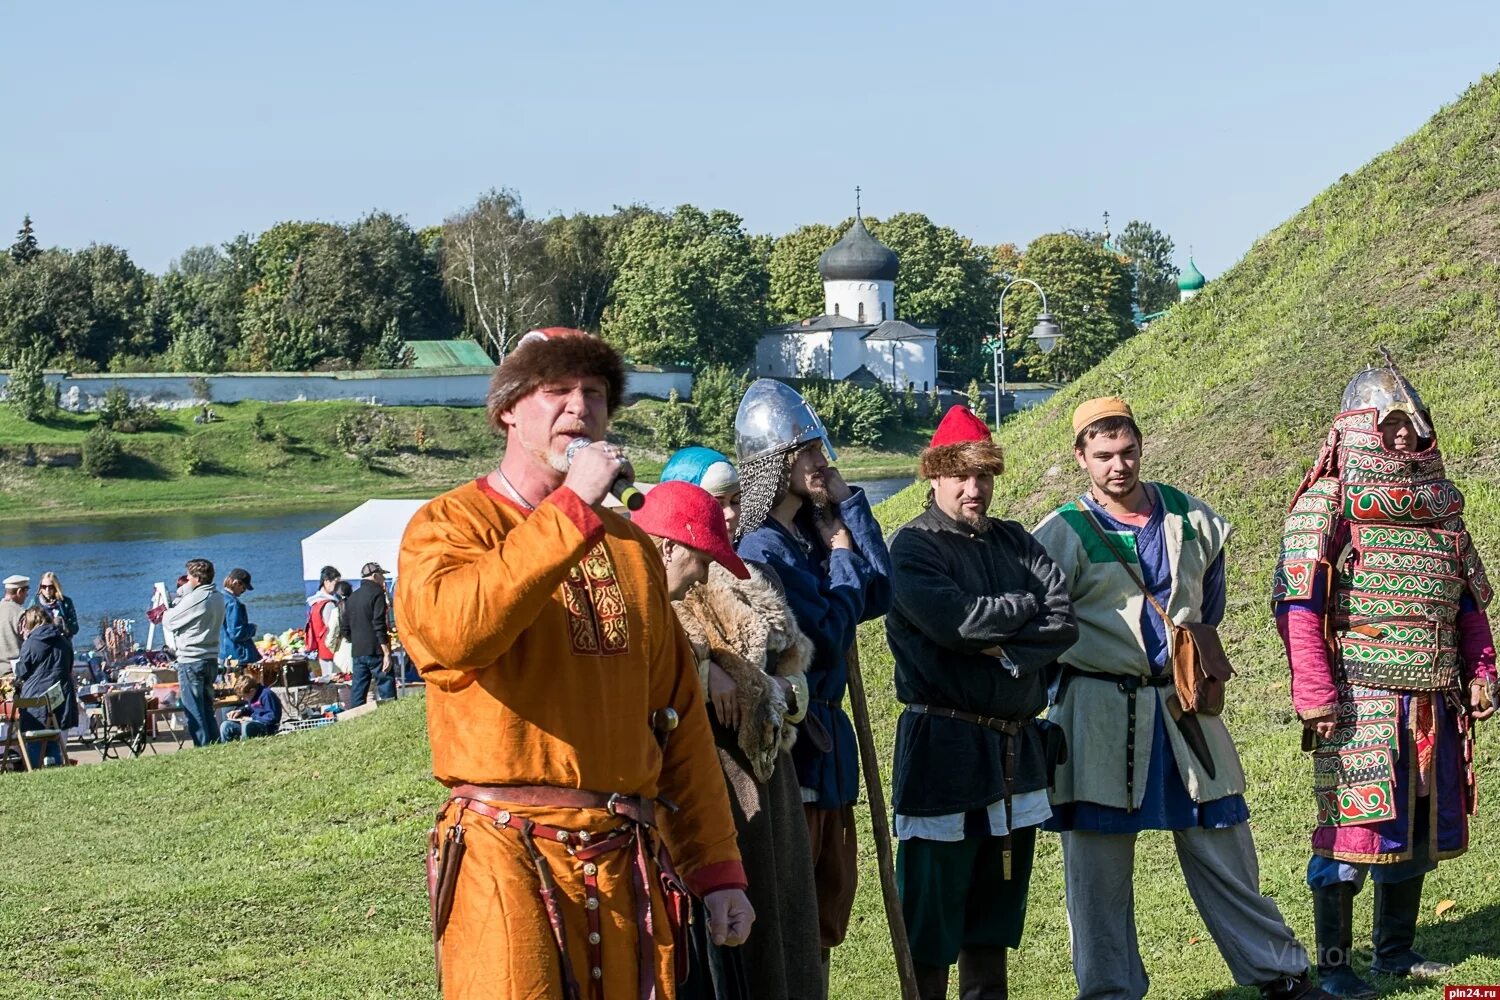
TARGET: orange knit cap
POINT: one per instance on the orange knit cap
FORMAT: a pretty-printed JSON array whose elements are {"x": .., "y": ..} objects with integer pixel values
[{"x": 1094, "y": 410}]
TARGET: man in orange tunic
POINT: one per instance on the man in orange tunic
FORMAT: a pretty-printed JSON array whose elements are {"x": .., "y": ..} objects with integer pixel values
[{"x": 555, "y": 672}]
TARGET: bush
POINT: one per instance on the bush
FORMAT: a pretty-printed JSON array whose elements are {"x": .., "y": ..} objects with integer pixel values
[
  {"x": 673, "y": 429},
  {"x": 852, "y": 415},
  {"x": 194, "y": 460},
  {"x": 102, "y": 454},
  {"x": 365, "y": 434},
  {"x": 195, "y": 349},
  {"x": 717, "y": 391},
  {"x": 27, "y": 390},
  {"x": 121, "y": 413},
  {"x": 258, "y": 428}
]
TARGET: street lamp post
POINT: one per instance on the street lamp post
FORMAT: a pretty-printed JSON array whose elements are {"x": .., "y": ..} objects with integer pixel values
[{"x": 1046, "y": 334}]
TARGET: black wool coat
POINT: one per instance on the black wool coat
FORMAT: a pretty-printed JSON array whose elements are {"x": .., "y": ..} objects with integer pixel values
[{"x": 957, "y": 593}]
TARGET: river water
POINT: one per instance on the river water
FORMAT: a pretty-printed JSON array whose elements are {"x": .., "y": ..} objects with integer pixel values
[{"x": 108, "y": 565}]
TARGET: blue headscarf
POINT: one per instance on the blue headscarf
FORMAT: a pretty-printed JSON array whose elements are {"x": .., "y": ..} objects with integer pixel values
[{"x": 703, "y": 467}]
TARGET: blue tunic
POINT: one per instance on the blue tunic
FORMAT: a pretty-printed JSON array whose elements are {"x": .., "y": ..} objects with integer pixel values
[
  {"x": 829, "y": 593},
  {"x": 1166, "y": 804}
]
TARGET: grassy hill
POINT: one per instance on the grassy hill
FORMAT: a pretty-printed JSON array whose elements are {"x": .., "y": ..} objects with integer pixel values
[
  {"x": 286, "y": 455},
  {"x": 290, "y": 868}
]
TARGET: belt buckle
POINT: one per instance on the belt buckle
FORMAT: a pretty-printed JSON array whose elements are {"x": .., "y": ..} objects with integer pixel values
[{"x": 612, "y": 804}]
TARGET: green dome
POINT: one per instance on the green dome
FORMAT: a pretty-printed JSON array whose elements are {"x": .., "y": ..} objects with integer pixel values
[{"x": 1192, "y": 279}]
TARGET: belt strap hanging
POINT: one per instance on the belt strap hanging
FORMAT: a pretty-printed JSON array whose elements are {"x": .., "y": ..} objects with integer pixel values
[{"x": 586, "y": 847}]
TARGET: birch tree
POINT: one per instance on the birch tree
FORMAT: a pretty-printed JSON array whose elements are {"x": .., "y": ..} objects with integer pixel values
[{"x": 495, "y": 268}]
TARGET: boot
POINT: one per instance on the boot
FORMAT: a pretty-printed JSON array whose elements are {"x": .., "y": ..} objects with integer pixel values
[
  {"x": 1293, "y": 988},
  {"x": 1396, "y": 907},
  {"x": 1333, "y": 923},
  {"x": 981, "y": 974},
  {"x": 932, "y": 981}
]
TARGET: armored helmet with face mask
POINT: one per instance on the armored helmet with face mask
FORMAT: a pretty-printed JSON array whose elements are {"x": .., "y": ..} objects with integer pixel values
[
  {"x": 1386, "y": 391},
  {"x": 774, "y": 422}
]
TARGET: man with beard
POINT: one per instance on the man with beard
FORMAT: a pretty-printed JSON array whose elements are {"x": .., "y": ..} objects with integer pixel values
[
  {"x": 1380, "y": 599},
  {"x": 542, "y": 623},
  {"x": 1136, "y": 554},
  {"x": 822, "y": 541},
  {"x": 980, "y": 612}
]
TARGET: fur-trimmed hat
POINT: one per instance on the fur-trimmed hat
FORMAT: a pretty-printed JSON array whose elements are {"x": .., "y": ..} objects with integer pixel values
[
  {"x": 961, "y": 447},
  {"x": 548, "y": 355}
]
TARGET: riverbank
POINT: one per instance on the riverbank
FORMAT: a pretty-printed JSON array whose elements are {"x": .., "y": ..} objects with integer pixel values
[{"x": 289, "y": 457}]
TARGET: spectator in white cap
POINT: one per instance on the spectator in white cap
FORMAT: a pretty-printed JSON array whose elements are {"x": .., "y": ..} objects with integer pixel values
[{"x": 11, "y": 606}]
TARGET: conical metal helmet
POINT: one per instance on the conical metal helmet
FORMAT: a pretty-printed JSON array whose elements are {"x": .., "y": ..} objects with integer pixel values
[
  {"x": 1385, "y": 390},
  {"x": 773, "y": 418}
]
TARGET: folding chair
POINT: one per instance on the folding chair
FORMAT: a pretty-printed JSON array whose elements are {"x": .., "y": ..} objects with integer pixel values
[
  {"x": 124, "y": 724},
  {"x": 51, "y": 702}
]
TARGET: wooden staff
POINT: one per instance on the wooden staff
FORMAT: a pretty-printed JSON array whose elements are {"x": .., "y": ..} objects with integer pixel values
[{"x": 881, "y": 825}]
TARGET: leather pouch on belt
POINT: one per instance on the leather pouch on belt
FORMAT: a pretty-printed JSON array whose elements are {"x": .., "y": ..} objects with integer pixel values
[
  {"x": 818, "y": 733},
  {"x": 444, "y": 855}
]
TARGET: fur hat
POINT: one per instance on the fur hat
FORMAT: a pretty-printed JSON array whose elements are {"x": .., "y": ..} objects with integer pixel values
[
  {"x": 961, "y": 447},
  {"x": 556, "y": 352}
]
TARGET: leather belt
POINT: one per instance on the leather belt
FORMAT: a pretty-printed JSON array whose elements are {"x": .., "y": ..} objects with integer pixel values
[
  {"x": 1007, "y": 728},
  {"x": 634, "y": 834},
  {"x": 1130, "y": 684}
]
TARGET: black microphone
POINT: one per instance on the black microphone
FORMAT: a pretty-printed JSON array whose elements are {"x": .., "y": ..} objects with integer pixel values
[{"x": 622, "y": 488}]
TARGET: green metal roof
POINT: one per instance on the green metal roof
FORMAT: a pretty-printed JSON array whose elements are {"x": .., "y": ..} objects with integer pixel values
[
  {"x": 448, "y": 354},
  {"x": 1192, "y": 279}
]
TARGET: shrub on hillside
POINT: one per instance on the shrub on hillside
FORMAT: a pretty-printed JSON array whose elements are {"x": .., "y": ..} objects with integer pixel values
[
  {"x": 194, "y": 460},
  {"x": 28, "y": 392},
  {"x": 125, "y": 415},
  {"x": 852, "y": 415},
  {"x": 717, "y": 391},
  {"x": 673, "y": 429},
  {"x": 366, "y": 433},
  {"x": 102, "y": 454}
]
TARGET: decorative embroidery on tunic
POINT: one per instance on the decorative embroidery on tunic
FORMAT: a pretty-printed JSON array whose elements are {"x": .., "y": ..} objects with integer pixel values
[{"x": 597, "y": 621}]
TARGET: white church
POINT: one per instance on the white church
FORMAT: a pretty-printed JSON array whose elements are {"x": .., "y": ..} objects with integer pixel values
[{"x": 858, "y": 337}]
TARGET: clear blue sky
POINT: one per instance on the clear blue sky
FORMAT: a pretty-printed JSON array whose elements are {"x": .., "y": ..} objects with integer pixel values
[{"x": 158, "y": 126}]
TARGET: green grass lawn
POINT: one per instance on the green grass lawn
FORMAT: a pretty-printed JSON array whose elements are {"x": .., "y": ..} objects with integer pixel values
[
  {"x": 294, "y": 460},
  {"x": 283, "y": 867}
]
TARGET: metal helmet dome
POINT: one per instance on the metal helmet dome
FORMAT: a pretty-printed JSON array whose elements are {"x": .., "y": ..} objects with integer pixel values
[
  {"x": 773, "y": 418},
  {"x": 1385, "y": 390}
]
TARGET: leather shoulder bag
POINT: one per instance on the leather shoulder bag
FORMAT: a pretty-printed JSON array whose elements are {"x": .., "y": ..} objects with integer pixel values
[{"x": 1200, "y": 669}]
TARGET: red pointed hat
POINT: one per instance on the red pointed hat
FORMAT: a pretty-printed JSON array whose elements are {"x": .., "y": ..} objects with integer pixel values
[
  {"x": 961, "y": 446},
  {"x": 691, "y": 516}
]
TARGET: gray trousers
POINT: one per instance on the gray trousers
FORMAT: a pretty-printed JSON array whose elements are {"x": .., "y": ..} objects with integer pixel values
[{"x": 1223, "y": 878}]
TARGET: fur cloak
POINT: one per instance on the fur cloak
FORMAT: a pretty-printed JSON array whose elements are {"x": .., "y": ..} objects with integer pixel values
[{"x": 746, "y": 628}]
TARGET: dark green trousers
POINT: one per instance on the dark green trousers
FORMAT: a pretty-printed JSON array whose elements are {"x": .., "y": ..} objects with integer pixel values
[{"x": 956, "y": 896}]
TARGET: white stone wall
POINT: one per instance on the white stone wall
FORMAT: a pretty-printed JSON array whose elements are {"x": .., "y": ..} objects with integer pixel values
[
  {"x": 914, "y": 361},
  {"x": 845, "y": 297},
  {"x": 793, "y": 355},
  {"x": 450, "y": 387}
]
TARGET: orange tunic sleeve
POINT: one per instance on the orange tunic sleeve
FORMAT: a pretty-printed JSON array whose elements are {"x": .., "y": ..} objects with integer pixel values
[{"x": 465, "y": 591}]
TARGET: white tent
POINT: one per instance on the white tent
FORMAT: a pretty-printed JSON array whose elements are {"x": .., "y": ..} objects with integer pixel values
[{"x": 370, "y": 532}]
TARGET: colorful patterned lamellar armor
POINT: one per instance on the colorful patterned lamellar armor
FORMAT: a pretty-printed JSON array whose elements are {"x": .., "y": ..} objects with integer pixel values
[{"x": 1395, "y": 586}]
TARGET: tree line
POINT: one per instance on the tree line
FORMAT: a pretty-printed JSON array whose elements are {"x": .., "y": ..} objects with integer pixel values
[{"x": 685, "y": 286}]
